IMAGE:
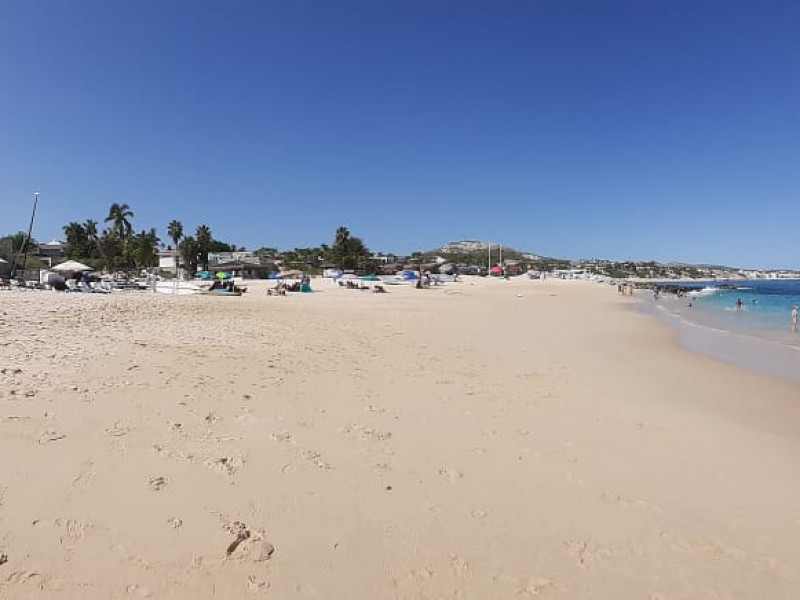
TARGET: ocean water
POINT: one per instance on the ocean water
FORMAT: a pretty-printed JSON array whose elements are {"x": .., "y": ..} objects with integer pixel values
[
  {"x": 758, "y": 335},
  {"x": 765, "y": 312}
]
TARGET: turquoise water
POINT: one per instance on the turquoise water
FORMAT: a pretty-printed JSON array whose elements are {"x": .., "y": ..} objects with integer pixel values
[
  {"x": 765, "y": 312},
  {"x": 756, "y": 336}
]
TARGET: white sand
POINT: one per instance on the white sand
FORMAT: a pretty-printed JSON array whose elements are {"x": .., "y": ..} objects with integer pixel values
[{"x": 461, "y": 442}]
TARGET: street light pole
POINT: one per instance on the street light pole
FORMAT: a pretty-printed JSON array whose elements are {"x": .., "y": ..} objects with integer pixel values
[{"x": 27, "y": 239}]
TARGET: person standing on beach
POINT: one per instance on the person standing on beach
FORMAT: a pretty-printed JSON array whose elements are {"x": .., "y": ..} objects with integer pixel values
[{"x": 794, "y": 319}]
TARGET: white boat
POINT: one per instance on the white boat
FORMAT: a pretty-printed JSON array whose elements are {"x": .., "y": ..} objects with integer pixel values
[{"x": 177, "y": 287}]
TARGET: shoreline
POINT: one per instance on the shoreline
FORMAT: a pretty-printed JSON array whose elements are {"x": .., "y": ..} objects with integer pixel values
[{"x": 750, "y": 351}]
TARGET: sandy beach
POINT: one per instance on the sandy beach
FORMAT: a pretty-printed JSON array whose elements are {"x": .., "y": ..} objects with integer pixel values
[{"x": 479, "y": 440}]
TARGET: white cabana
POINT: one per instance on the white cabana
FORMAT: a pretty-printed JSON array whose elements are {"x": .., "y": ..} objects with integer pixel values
[{"x": 71, "y": 266}]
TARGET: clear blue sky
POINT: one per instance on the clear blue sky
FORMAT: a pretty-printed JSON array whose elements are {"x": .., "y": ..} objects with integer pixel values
[{"x": 664, "y": 129}]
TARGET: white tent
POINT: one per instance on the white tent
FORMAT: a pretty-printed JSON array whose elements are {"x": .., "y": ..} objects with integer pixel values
[{"x": 71, "y": 265}]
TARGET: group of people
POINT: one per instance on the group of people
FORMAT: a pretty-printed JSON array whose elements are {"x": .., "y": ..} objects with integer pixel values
[
  {"x": 352, "y": 285},
  {"x": 426, "y": 280},
  {"x": 223, "y": 285},
  {"x": 280, "y": 289},
  {"x": 625, "y": 289}
]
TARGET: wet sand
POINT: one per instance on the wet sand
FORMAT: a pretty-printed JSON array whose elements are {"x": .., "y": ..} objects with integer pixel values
[{"x": 486, "y": 439}]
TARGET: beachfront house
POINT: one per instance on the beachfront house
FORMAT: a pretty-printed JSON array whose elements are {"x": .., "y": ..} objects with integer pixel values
[
  {"x": 166, "y": 260},
  {"x": 51, "y": 252}
]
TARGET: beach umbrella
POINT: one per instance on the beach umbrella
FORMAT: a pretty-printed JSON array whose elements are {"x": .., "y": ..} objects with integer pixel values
[
  {"x": 71, "y": 265},
  {"x": 3, "y": 261},
  {"x": 204, "y": 275}
]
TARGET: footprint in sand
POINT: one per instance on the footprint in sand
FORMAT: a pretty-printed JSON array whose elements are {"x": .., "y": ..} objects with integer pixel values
[
  {"x": 315, "y": 458},
  {"x": 450, "y": 474},
  {"x": 50, "y": 435},
  {"x": 74, "y": 530},
  {"x": 257, "y": 585},
  {"x": 85, "y": 477},
  {"x": 615, "y": 499},
  {"x": 281, "y": 436},
  {"x": 459, "y": 565},
  {"x": 118, "y": 429},
  {"x": 157, "y": 483},
  {"x": 584, "y": 552},
  {"x": 534, "y": 585},
  {"x": 365, "y": 433},
  {"x": 27, "y": 577},
  {"x": 228, "y": 465},
  {"x": 138, "y": 590}
]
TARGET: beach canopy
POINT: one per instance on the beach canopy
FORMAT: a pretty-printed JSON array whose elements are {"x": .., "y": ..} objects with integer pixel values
[
  {"x": 3, "y": 261},
  {"x": 370, "y": 278},
  {"x": 71, "y": 265},
  {"x": 293, "y": 273}
]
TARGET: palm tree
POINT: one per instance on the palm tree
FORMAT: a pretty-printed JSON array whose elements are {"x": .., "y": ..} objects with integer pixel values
[
  {"x": 76, "y": 239},
  {"x": 119, "y": 216},
  {"x": 144, "y": 248},
  {"x": 90, "y": 229},
  {"x": 175, "y": 232},
  {"x": 110, "y": 248},
  {"x": 347, "y": 250},
  {"x": 189, "y": 253},
  {"x": 203, "y": 235}
]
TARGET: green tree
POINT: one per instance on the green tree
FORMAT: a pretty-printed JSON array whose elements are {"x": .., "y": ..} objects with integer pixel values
[
  {"x": 77, "y": 240},
  {"x": 190, "y": 252},
  {"x": 111, "y": 249},
  {"x": 175, "y": 233},
  {"x": 217, "y": 246},
  {"x": 348, "y": 252},
  {"x": 119, "y": 216},
  {"x": 90, "y": 228},
  {"x": 267, "y": 251},
  {"x": 203, "y": 235},
  {"x": 13, "y": 244},
  {"x": 144, "y": 249}
]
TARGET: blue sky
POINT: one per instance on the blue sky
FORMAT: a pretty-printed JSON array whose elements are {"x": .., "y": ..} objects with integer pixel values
[{"x": 658, "y": 129}]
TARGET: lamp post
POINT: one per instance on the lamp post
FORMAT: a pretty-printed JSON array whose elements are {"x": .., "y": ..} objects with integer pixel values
[{"x": 27, "y": 239}]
